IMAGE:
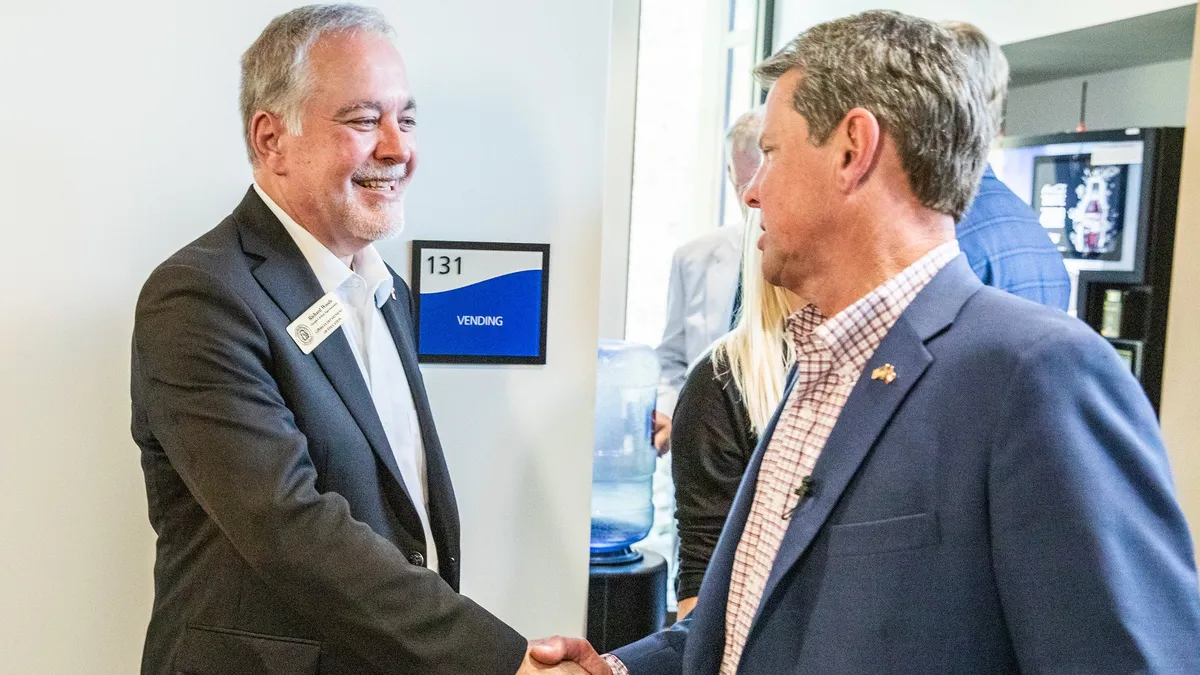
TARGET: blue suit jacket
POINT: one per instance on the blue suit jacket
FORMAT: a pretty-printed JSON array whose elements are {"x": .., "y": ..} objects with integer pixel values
[
  {"x": 1004, "y": 506},
  {"x": 1008, "y": 248}
]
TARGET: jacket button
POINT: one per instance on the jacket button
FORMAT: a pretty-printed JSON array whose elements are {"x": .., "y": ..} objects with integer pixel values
[{"x": 417, "y": 559}]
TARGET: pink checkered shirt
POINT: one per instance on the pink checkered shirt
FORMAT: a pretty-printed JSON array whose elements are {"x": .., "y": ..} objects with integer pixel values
[{"x": 830, "y": 357}]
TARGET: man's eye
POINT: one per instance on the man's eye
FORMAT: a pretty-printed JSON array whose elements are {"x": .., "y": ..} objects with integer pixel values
[
  {"x": 365, "y": 122},
  {"x": 408, "y": 123}
]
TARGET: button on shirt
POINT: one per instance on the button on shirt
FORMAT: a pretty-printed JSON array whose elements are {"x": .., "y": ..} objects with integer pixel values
[
  {"x": 830, "y": 358},
  {"x": 363, "y": 288}
]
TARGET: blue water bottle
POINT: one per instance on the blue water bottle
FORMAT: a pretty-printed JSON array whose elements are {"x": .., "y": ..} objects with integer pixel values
[{"x": 623, "y": 456}]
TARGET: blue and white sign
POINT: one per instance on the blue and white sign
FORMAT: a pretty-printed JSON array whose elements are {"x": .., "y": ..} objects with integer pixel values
[{"x": 480, "y": 302}]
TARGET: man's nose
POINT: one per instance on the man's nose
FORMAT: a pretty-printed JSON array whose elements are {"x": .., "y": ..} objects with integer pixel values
[{"x": 394, "y": 145}]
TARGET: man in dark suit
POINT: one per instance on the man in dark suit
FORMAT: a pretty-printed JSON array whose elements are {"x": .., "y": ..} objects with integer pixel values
[
  {"x": 959, "y": 481},
  {"x": 305, "y": 517}
]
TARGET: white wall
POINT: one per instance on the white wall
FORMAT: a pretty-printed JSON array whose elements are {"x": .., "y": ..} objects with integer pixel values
[
  {"x": 618, "y": 179},
  {"x": 119, "y": 142},
  {"x": 1145, "y": 96},
  {"x": 1005, "y": 22}
]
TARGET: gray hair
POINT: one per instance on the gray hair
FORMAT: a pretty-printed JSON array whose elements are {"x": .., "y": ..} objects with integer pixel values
[
  {"x": 275, "y": 72},
  {"x": 987, "y": 62},
  {"x": 912, "y": 75},
  {"x": 743, "y": 134}
]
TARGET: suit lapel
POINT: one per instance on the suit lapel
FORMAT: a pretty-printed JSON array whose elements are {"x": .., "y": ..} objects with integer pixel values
[
  {"x": 289, "y": 280},
  {"x": 871, "y": 406}
]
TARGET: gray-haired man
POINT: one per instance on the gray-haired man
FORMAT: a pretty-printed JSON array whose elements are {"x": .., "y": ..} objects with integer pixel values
[
  {"x": 958, "y": 481},
  {"x": 702, "y": 292},
  {"x": 305, "y": 516}
]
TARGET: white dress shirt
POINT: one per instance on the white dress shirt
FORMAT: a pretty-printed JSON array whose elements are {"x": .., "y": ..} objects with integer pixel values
[{"x": 362, "y": 289}]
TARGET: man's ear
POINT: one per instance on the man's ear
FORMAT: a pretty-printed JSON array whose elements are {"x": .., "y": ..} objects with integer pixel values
[
  {"x": 859, "y": 138},
  {"x": 267, "y": 134}
]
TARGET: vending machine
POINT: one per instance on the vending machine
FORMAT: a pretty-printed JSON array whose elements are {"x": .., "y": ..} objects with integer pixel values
[{"x": 1107, "y": 200}]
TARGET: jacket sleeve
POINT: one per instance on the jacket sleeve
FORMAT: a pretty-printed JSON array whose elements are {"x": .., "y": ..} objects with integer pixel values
[
  {"x": 672, "y": 351},
  {"x": 215, "y": 408},
  {"x": 711, "y": 444},
  {"x": 1091, "y": 552},
  {"x": 659, "y": 654}
]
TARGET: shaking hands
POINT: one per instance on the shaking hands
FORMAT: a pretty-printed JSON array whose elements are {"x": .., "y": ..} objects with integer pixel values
[{"x": 563, "y": 655}]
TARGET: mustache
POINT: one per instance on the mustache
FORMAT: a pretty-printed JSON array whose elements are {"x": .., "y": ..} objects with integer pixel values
[{"x": 396, "y": 172}]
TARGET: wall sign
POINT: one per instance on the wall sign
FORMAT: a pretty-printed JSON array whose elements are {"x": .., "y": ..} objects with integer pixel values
[{"x": 480, "y": 302}]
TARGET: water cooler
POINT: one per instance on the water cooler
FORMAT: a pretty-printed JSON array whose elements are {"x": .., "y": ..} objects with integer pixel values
[{"x": 627, "y": 589}]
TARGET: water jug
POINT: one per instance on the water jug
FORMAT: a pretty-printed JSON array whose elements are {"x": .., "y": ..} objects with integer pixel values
[{"x": 623, "y": 455}]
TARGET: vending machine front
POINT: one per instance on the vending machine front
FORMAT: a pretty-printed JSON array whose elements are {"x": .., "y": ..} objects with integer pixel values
[{"x": 1107, "y": 200}]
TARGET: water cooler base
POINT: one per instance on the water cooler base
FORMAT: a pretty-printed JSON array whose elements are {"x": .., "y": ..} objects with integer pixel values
[{"x": 626, "y": 602}]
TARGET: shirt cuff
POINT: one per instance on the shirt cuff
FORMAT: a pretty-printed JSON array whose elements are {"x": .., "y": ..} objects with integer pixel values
[{"x": 615, "y": 664}]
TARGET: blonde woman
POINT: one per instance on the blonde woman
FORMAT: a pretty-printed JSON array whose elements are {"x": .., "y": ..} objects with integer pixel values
[{"x": 730, "y": 395}]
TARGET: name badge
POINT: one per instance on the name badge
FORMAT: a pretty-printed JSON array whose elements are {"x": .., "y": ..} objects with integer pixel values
[{"x": 317, "y": 323}]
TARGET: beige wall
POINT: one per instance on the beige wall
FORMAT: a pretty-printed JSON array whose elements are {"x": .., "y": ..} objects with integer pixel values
[
  {"x": 1154, "y": 95},
  {"x": 1181, "y": 376}
]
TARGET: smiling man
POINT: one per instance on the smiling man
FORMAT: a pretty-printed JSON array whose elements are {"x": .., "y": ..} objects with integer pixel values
[{"x": 305, "y": 516}]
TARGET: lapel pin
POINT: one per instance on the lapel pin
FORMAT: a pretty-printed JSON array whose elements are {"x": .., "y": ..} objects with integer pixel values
[
  {"x": 393, "y": 294},
  {"x": 885, "y": 372}
]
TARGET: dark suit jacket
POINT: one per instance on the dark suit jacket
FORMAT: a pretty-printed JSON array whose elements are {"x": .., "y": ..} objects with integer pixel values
[
  {"x": 286, "y": 540},
  {"x": 1003, "y": 506}
]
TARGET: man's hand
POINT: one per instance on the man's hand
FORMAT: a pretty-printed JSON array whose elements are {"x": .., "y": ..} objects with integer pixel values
[
  {"x": 556, "y": 650},
  {"x": 662, "y": 433},
  {"x": 532, "y": 667}
]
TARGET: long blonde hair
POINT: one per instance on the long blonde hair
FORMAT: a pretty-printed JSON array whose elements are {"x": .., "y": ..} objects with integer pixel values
[{"x": 757, "y": 351}]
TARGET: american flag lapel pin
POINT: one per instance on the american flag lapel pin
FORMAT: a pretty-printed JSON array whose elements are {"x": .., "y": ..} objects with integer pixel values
[{"x": 886, "y": 372}]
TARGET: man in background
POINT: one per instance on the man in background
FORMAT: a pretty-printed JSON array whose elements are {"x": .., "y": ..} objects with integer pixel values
[
  {"x": 1000, "y": 234},
  {"x": 704, "y": 272}
]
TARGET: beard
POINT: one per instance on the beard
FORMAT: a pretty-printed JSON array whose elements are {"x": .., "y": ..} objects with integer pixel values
[
  {"x": 377, "y": 221},
  {"x": 375, "y": 224}
]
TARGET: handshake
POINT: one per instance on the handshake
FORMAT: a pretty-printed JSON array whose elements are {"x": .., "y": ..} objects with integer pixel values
[{"x": 570, "y": 656}]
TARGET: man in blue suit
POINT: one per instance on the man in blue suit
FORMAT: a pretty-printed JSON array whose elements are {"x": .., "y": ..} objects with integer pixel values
[
  {"x": 959, "y": 481},
  {"x": 1000, "y": 234}
]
